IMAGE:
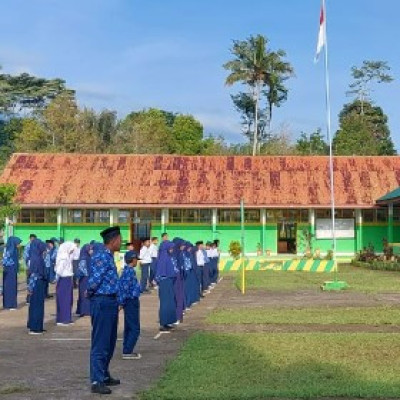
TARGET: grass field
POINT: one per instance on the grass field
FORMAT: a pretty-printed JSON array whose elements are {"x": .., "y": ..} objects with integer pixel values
[
  {"x": 257, "y": 366},
  {"x": 321, "y": 315},
  {"x": 359, "y": 280}
]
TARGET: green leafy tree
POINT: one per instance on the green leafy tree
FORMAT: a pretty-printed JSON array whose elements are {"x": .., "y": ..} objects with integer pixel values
[
  {"x": 313, "y": 144},
  {"x": 8, "y": 207},
  {"x": 364, "y": 76},
  {"x": 372, "y": 127},
  {"x": 263, "y": 72},
  {"x": 27, "y": 92},
  {"x": 107, "y": 125},
  {"x": 355, "y": 138},
  {"x": 9, "y": 130},
  {"x": 143, "y": 132},
  {"x": 187, "y": 135},
  {"x": 32, "y": 137}
]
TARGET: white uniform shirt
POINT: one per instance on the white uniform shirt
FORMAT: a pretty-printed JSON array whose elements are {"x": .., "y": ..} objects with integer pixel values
[
  {"x": 200, "y": 258},
  {"x": 76, "y": 254},
  {"x": 63, "y": 267},
  {"x": 145, "y": 255},
  {"x": 153, "y": 250}
]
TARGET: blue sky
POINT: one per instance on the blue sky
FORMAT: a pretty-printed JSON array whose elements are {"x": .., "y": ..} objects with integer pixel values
[{"x": 130, "y": 54}]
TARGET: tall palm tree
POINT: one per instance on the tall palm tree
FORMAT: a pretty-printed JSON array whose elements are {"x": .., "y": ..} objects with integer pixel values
[{"x": 258, "y": 68}]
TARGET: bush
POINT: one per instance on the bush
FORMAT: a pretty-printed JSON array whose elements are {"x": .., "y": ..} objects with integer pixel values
[
  {"x": 235, "y": 249},
  {"x": 378, "y": 265}
]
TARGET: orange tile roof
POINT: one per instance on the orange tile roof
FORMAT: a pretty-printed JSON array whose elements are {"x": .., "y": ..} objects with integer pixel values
[{"x": 220, "y": 181}]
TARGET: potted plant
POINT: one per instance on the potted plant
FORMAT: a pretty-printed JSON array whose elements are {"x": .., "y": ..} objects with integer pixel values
[
  {"x": 259, "y": 250},
  {"x": 267, "y": 252},
  {"x": 235, "y": 249}
]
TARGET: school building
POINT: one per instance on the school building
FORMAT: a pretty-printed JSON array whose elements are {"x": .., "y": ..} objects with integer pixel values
[{"x": 198, "y": 197}]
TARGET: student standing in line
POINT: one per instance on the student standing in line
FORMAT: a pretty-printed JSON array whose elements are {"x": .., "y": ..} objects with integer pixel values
[
  {"x": 128, "y": 299},
  {"x": 36, "y": 287},
  {"x": 179, "y": 280},
  {"x": 25, "y": 256},
  {"x": 83, "y": 304},
  {"x": 164, "y": 237},
  {"x": 165, "y": 277},
  {"x": 192, "y": 287},
  {"x": 49, "y": 260},
  {"x": 64, "y": 290},
  {"x": 202, "y": 269},
  {"x": 102, "y": 291},
  {"x": 130, "y": 246},
  {"x": 145, "y": 262},
  {"x": 10, "y": 273},
  {"x": 75, "y": 261},
  {"x": 154, "y": 255}
]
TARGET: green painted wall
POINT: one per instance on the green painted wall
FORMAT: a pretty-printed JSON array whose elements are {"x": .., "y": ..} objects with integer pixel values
[
  {"x": 374, "y": 233},
  {"x": 42, "y": 231},
  {"x": 228, "y": 233},
  {"x": 84, "y": 232},
  {"x": 192, "y": 233}
]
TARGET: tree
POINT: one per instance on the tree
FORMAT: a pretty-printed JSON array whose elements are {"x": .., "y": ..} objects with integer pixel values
[
  {"x": 258, "y": 68},
  {"x": 9, "y": 129},
  {"x": 59, "y": 119},
  {"x": 8, "y": 208},
  {"x": 107, "y": 125},
  {"x": 27, "y": 92},
  {"x": 245, "y": 105},
  {"x": 280, "y": 144},
  {"x": 355, "y": 138},
  {"x": 369, "y": 72},
  {"x": 187, "y": 135},
  {"x": 373, "y": 123},
  {"x": 32, "y": 137},
  {"x": 143, "y": 132},
  {"x": 313, "y": 144}
]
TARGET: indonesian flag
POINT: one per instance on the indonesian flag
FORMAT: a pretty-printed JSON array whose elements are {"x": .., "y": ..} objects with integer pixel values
[{"x": 322, "y": 31}]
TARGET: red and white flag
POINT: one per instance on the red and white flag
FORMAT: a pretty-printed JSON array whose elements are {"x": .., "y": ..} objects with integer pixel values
[{"x": 322, "y": 32}]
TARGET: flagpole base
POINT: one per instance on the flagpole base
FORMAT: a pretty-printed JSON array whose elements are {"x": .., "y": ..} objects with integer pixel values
[{"x": 330, "y": 286}]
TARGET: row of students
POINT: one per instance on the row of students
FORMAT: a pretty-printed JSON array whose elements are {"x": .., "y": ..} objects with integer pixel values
[{"x": 185, "y": 273}]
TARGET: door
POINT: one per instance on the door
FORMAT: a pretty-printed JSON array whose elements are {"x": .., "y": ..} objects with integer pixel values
[
  {"x": 138, "y": 231},
  {"x": 287, "y": 232}
]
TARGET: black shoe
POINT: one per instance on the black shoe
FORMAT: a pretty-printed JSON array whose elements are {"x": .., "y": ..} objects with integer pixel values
[
  {"x": 100, "y": 388},
  {"x": 166, "y": 328},
  {"x": 112, "y": 382},
  {"x": 202, "y": 296}
]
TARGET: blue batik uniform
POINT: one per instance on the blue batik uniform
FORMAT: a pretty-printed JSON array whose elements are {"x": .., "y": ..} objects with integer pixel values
[
  {"x": 36, "y": 285},
  {"x": 102, "y": 290},
  {"x": 10, "y": 273},
  {"x": 128, "y": 297}
]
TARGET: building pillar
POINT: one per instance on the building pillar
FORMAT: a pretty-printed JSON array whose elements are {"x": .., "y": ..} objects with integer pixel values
[
  {"x": 214, "y": 222},
  {"x": 390, "y": 223},
  {"x": 113, "y": 216},
  {"x": 59, "y": 221},
  {"x": 8, "y": 229},
  {"x": 164, "y": 219},
  {"x": 359, "y": 230},
  {"x": 263, "y": 226},
  {"x": 311, "y": 220}
]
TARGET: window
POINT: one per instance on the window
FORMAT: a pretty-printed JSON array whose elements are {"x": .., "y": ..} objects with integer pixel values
[
  {"x": 344, "y": 214},
  {"x": 396, "y": 214},
  {"x": 368, "y": 215},
  {"x": 252, "y": 216},
  {"x": 88, "y": 216},
  {"x": 323, "y": 213},
  {"x": 37, "y": 216},
  {"x": 290, "y": 214},
  {"x": 229, "y": 216},
  {"x": 190, "y": 216},
  {"x": 124, "y": 216},
  {"x": 150, "y": 215},
  {"x": 382, "y": 215}
]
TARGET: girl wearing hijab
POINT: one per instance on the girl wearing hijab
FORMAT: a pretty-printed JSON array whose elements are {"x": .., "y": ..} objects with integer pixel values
[
  {"x": 192, "y": 292},
  {"x": 64, "y": 290},
  {"x": 83, "y": 305},
  {"x": 10, "y": 273},
  {"x": 36, "y": 287},
  {"x": 165, "y": 276},
  {"x": 179, "y": 290}
]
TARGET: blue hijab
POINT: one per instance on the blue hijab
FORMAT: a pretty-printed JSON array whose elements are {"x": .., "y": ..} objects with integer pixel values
[
  {"x": 12, "y": 250},
  {"x": 36, "y": 252},
  {"x": 165, "y": 267}
]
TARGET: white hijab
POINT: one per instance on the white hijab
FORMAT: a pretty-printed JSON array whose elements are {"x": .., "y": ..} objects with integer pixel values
[{"x": 63, "y": 267}]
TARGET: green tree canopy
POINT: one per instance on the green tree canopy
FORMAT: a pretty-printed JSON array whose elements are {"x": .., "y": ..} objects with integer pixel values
[
  {"x": 371, "y": 127},
  {"x": 187, "y": 135},
  {"x": 8, "y": 208},
  {"x": 313, "y": 144}
]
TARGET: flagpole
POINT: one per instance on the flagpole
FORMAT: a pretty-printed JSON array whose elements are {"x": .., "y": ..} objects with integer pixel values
[
  {"x": 329, "y": 130},
  {"x": 336, "y": 285}
]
